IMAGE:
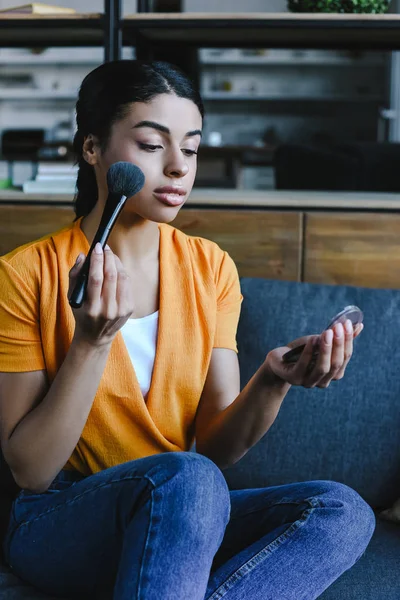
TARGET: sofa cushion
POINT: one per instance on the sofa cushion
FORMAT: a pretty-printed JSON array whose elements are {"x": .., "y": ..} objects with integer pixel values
[
  {"x": 376, "y": 575},
  {"x": 347, "y": 433}
]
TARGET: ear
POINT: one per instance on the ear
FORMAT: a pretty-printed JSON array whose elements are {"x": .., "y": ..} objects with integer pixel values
[{"x": 91, "y": 149}]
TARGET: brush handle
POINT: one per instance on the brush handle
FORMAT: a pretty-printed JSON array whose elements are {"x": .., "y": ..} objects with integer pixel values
[{"x": 114, "y": 205}]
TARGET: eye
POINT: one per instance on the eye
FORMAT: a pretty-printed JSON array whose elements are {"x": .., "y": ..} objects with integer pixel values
[
  {"x": 189, "y": 152},
  {"x": 149, "y": 147}
]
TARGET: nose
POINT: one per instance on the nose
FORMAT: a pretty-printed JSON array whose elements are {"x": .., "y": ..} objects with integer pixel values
[{"x": 176, "y": 165}]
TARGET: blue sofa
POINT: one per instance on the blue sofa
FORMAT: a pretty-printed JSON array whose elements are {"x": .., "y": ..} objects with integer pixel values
[{"x": 349, "y": 433}]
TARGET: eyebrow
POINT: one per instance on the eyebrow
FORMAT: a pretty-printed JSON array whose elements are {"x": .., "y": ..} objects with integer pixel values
[{"x": 164, "y": 129}]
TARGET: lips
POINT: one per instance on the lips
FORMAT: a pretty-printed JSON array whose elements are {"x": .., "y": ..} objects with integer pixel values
[{"x": 170, "y": 195}]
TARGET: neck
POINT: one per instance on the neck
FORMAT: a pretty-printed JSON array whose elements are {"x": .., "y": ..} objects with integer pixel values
[{"x": 133, "y": 239}]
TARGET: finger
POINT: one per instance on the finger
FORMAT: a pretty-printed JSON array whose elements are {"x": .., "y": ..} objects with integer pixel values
[
  {"x": 95, "y": 279},
  {"x": 73, "y": 273},
  {"x": 323, "y": 363},
  {"x": 300, "y": 341},
  {"x": 118, "y": 262},
  {"x": 302, "y": 366},
  {"x": 358, "y": 329},
  {"x": 337, "y": 357},
  {"x": 124, "y": 294},
  {"x": 348, "y": 348},
  {"x": 109, "y": 289}
]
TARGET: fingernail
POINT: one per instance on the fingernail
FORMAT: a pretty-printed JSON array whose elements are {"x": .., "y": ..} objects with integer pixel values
[
  {"x": 329, "y": 336},
  {"x": 349, "y": 326},
  {"x": 98, "y": 249},
  {"x": 107, "y": 247}
]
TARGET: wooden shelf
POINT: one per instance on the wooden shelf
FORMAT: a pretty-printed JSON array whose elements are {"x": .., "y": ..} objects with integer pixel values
[
  {"x": 51, "y": 30},
  {"x": 294, "y": 63},
  {"x": 233, "y": 96},
  {"x": 33, "y": 95},
  {"x": 279, "y": 30}
]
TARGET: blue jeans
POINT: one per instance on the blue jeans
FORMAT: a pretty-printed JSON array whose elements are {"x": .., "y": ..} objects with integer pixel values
[{"x": 166, "y": 527}]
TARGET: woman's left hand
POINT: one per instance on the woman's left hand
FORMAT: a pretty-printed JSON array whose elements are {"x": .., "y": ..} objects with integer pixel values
[{"x": 335, "y": 349}]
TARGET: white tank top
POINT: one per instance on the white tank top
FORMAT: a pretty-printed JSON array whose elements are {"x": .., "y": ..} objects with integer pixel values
[{"x": 140, "y": 337}]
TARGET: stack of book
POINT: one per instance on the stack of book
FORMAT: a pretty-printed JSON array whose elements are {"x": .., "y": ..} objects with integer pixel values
[
  {"x": 38, "y": 8},
  {"x": 53, "y": 178}
]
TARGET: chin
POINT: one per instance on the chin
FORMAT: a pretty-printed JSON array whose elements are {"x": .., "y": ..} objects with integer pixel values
[
  {"x": 165, "y": 215},
  {"x": 165, "y": 218}
]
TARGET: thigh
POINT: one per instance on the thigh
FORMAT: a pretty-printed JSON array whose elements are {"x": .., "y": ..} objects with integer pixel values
[{"x": 68, "y": 540}]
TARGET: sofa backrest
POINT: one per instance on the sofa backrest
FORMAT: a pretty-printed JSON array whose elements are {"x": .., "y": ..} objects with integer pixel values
[{"x": 349, "y": 432}]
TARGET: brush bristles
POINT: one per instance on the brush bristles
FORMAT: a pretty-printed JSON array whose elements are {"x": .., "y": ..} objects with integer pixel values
[{"x": 125, "y": 178}]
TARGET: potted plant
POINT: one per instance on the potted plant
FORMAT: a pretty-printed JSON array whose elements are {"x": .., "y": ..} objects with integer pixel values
[{"x": 339, "y": 6}]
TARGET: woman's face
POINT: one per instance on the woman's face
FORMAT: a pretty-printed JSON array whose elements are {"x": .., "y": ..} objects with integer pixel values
[{"x": 161, "y": 137}]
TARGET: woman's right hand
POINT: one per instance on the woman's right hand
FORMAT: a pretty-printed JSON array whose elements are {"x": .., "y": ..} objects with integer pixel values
[{"x": 108, "y": 303}]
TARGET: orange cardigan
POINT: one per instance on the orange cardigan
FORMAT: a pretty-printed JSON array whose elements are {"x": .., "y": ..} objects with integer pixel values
[{"x": 199, "y": 310}]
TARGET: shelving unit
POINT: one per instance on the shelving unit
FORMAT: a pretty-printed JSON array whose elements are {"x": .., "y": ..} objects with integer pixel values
[
  {"x": 55, "y": 56},
  {"x": 231, "y": 96},
  {"x": 278, "y": 30},
  {"x": 232, "y": 214},
  {"x": 264, "y": 62},
  {"x": 50, "y": 30},
  {"x": 148, "y": 30},
  {"x": 35, "y": 95},
  {"x": 62, "y": 58}
]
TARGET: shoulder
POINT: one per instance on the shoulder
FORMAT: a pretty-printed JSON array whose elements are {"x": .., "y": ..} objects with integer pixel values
[{"x": 27, "y": 261}]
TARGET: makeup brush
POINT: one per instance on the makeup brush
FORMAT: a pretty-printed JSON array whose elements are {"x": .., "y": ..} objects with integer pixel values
[{"x": 124, "y": 180}]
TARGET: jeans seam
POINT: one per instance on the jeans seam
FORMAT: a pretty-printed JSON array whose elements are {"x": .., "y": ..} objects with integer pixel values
[
  {"x": 68, "y": 502},
  {"x": 255, "y": 560},
  {"x": 311, "y": 501},
  {"x": 146, "y": 544}
]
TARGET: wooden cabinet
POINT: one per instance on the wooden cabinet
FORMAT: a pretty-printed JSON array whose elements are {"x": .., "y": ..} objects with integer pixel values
[
  {"x": 22, "y": 224},
  {"x": 262, "y": 244},
  {"x": 319, "y": 247},
  {"x": 354, "y": 249}
]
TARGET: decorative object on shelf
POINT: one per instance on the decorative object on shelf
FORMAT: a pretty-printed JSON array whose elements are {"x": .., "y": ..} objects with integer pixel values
[
  {"x": 37, "y": 8},
  {"x": 338, "y": 6}
]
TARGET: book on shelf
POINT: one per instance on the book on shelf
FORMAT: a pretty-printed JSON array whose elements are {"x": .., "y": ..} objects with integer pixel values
[
  {"x": 57, "y": 168},
  {"x": 55, "y": 177},
  {"x": 49, "y": 187},
  {"x": 38, "y": 8}
]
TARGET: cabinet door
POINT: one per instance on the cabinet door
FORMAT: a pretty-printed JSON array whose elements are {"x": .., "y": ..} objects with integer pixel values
[
  {"x": 353, "y": 249},
  {"x": 262, "y": 244},
  {"x": 22, "y": 224}
]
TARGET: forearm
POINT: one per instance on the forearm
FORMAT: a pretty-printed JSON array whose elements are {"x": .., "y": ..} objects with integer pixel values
[
  {"x": 244, "y": 422},
  {"x": 44, "y": 440}
]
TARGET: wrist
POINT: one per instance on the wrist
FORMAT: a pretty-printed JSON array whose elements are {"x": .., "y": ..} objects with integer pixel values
[
  {"x": 270, "y": 378},
  {"x": 89, "y": 347}
]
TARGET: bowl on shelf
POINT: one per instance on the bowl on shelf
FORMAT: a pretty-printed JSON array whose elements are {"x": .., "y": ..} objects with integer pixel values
[{"x": 339, "y": 6}]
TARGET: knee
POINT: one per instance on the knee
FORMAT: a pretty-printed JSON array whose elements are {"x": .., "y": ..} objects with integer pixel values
[
  {"x": 349, "y": 520},
  {"x": 197, "y": 487}
]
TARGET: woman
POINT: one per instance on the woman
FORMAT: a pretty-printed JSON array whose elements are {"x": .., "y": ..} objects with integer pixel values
[{"x": 97, "y": 425}]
